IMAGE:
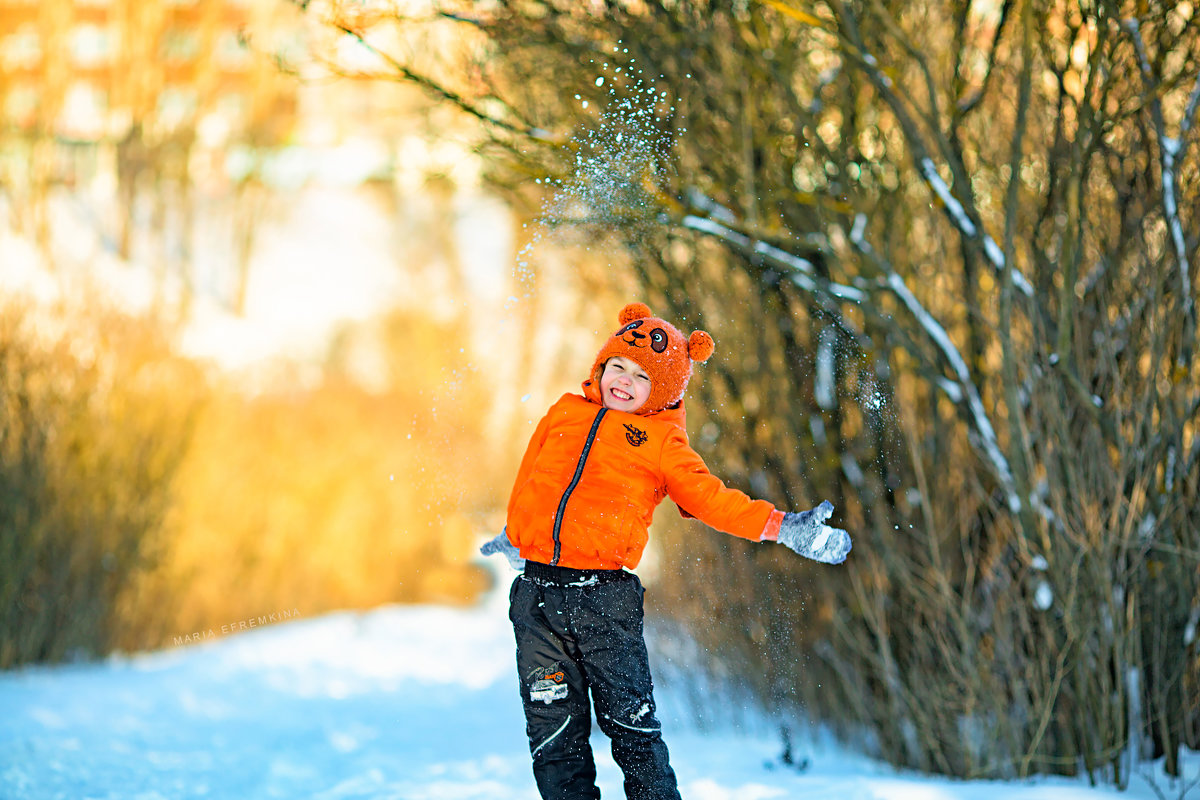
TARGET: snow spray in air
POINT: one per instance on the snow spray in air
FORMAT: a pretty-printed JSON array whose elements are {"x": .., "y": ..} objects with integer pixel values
[
  {"x": 866, "y": 378},
  {"x": 616, "y": 159}
]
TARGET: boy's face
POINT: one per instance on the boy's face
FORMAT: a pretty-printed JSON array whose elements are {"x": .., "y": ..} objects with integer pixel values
[{"x": 624, "y": 386}]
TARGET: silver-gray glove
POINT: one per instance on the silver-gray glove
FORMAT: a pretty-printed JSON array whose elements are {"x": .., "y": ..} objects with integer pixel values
[
  {"x": 504, "y": 547},
  {"x": 807, "y": 534}
]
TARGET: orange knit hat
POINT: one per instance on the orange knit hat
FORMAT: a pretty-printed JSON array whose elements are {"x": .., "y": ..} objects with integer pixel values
[{"x": 659, "y": 348}]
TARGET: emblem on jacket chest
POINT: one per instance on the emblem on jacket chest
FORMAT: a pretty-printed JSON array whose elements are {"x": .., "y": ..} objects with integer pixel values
[{"x": 635, "y": 435}]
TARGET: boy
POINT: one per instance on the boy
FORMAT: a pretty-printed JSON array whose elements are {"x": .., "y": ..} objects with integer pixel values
[{"x": 594, "y": 471}]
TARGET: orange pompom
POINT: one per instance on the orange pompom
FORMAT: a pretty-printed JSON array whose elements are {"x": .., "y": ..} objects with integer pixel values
[
  {"x": 634, "y": 311},
  {"x": 700, "y": 346}
]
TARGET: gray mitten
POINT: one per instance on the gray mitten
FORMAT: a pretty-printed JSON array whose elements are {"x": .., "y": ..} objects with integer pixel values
[
  {"x": 504, "y": 547},
  {"x": 807, "y": 534}
]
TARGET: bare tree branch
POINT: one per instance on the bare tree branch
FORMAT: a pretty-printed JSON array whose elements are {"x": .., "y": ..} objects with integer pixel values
[
  {"x": 968, "y": 104},
  {"x": 1168, "y": 151},
  {"x": 933, "y": 329},
  {"x": 1018, "y": 435},
  {"x": 434, "y": 87},
  {"x": 926, "y": 166}
]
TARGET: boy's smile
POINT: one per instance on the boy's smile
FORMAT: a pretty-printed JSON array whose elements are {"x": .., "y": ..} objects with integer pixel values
[{"x": 624, "y": 386}]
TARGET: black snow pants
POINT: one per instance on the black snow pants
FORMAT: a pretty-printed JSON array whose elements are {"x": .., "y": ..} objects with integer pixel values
[{"x": 579, "y": 631}]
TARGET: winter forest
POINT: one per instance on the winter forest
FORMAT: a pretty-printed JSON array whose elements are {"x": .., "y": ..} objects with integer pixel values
[{"x": 284, "y": 286}]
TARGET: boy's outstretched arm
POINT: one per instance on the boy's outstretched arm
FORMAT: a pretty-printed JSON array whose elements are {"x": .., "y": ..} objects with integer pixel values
[
  {"x": 701, "y": 494},
  {"x": 807, "y": 534}
]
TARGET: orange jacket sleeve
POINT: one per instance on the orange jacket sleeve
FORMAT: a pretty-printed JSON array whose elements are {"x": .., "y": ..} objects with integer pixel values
[{"x": 703, "y": 495}]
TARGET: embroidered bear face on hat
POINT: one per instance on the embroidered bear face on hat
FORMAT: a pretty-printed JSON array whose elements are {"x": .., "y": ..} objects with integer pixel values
[{"x": 660, "y": 349}]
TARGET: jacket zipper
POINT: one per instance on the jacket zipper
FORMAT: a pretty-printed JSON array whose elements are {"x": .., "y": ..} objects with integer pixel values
[{"x": 562, "y": 504}]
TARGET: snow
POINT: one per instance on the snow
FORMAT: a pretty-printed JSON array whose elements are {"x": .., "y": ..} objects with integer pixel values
[
  {"x": 710, "y": 227},
  {"x": 824, "y": 389},
  {"x": 1044, "y": 596},
  {"x": 412, "y": 702}
]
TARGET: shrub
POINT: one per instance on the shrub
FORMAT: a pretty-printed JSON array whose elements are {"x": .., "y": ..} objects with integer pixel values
[{"x": 95, "y": 414}]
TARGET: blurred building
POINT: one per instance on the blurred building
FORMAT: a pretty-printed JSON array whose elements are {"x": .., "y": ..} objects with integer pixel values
[
  {"x": 92, "y": 71},
  {"x": 261, "y": 175}
]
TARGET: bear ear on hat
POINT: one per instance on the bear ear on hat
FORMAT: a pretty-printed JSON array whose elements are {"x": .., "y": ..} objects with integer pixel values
[
  {"x": 634, "y": 311},
  {"x": 700, "y": 346}
]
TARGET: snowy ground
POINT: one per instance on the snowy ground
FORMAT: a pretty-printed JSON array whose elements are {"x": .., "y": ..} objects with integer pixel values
[{"x": 411, "y": 702}]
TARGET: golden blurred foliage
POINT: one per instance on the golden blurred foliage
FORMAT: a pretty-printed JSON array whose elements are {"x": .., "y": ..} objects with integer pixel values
[
  {"x": 163, "y": 147},
  {"x": 95, "y": 414},
  {"x": 145, "y": 500},
  {"x": 328, "y": 495}
]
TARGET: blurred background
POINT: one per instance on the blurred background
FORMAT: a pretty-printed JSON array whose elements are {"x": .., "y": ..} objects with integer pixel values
[
  {"x": 264, "y": 342},
  {"x": 286, "y": 284}
]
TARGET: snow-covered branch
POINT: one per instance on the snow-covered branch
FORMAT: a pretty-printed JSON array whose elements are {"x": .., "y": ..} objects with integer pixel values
[
  {"x": 963, "y": 387},
  {"x": 1169, "y": 152},
  {"x": 955, "y": 209},
  {"x": 714, "y": 228},
  {"x": 983, "y": 425},
  {"x": 712, "y": 208},
  {"x": 800, "y": 270},
  {"x": 962, "y": 221}
]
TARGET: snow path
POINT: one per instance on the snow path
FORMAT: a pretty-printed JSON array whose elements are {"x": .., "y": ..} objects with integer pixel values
[{"x": 406, "y": 702}]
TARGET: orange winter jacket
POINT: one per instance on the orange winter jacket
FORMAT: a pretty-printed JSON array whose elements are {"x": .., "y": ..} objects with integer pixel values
[{"x": 591, "y": 478}]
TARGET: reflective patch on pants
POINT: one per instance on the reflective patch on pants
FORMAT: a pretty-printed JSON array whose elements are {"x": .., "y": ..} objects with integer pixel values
[
  {"x": 636, "y": 723},
  {"x": 635, "y": 728},
  {"x": 547, "y": 684},
  {"x": 552, "y": 736}
]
